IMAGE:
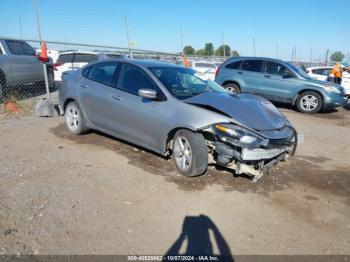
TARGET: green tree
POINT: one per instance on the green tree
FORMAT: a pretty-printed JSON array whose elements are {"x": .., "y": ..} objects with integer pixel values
[
  {"x": 209, "y": 49},
  {"x": 234, "y": 53},
  {"x": 337, "y": 56},
  {"x": 201, "y": 52},
  {"x": 220, "y": 50},
  {"x": 188, "y": 50}
]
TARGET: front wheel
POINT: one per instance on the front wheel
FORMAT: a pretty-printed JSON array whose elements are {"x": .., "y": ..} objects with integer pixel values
[
  {"x": 190, "y": 153},
  {"x": 309, "y": 102},
  {"x": 233, "y": 88},
  {"x": 75, "y": 119}
]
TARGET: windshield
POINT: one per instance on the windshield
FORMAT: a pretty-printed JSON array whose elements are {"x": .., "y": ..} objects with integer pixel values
[
  {"x": 300, "y": 71},
  {"x": 185, "y": 82}
]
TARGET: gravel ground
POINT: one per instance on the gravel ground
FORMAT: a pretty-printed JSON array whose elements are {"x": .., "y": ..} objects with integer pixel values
[{"x": 92, "y": 194}]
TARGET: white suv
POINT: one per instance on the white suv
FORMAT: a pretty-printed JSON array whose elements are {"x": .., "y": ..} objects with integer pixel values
[
  {"x": 74, "y": 60},
  {"x": 323, "y": 73}
]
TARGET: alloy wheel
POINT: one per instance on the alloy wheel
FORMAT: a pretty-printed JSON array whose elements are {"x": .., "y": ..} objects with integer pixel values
[
  {"x": 182, "y": 153},
  {"x": 73, "y": 118},
  {"x": 309, "y": 102}
]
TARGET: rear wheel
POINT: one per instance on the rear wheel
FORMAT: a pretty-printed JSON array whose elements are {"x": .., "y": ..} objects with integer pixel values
[
  {"x": 75, "y": 119},
  {"x": 309, "y": 102},
  {"x": 190, "y": 153},
  {"x": 232, "y": 87}
]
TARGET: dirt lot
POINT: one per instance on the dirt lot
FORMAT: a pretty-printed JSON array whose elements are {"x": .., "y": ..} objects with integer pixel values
[{"x": 91, "y": 194}]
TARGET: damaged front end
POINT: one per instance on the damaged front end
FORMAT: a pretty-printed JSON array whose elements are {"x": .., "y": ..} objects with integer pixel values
[{"x": 250, "y": 152}]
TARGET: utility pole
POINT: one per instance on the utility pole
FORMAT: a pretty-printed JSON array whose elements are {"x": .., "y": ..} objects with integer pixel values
[
  {"x": 181, "y": 41},
  {"x": 254, "y": 47},
  {"x": 127, "y": 34},
  {"x": 223, "y": 45},
  {"x": 20, "y": 28},
  {"x": 326, "y": 59},
  {"x": 277, "y": 50},
  {"x": 310, "y": 56},
  {"x": 35, "y": 3}
]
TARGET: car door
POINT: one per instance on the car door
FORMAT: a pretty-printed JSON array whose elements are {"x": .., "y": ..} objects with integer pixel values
[
  {"x": 251, "y": 74},
  {"x": 95, "y": 93},
  {"x": 279, "y": 83},
  {"x": 26, "y": 68},
  {"x": 137, "y": 119}
]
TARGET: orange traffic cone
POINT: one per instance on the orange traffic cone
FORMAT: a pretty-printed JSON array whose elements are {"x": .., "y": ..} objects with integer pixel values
[
  {"x": 12, "y": 107},
  {"x": 43, "y": 54}
]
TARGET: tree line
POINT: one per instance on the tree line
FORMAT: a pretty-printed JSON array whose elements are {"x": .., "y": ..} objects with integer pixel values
[{"x": 209, "y": 50}]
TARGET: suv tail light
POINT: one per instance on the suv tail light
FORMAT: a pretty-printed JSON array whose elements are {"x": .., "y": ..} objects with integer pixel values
[
  {"x": 217, "y": 70},
  {"x": 55, "y": 65}
]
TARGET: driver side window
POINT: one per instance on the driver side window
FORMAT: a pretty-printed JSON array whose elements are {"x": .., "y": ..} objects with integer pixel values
[
  {"x": 274, "y": 68},
  {"x": 132, "y": 79}
]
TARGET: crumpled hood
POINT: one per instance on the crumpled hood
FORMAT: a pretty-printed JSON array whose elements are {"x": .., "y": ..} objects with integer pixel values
[{"x": 250, "y": 110}]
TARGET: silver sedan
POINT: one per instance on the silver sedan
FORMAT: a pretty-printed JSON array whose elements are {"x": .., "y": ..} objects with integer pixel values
[{"x": 176, "y": 111}]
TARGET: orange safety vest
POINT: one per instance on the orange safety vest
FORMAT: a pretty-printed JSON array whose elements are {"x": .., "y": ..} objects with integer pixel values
[{"x": 337, "y": 71}]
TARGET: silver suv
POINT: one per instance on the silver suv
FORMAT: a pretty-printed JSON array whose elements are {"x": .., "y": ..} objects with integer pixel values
[{"x": 20, "y": 67}]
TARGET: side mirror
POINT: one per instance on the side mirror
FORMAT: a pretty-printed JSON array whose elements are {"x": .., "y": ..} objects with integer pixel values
[
  {"x": 288, "y": 74},
  {"x": 148, "y": 94}
]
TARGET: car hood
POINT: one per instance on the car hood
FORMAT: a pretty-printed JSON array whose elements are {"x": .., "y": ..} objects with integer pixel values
[
  {"x": 323, "y": 83},
  {"x": 250, "y": 110}
]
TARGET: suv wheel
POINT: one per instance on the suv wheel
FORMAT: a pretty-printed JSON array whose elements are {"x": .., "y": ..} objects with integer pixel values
[
  {"x": 309, "y": 102},
  {"x": 190, "y": 153},
  {"x": 233, "y": 88},
  {"x": 75, "y": 119}
]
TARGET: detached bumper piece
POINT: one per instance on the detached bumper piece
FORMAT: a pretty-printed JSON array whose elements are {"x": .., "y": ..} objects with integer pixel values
[{"x": 254, "y": 162}]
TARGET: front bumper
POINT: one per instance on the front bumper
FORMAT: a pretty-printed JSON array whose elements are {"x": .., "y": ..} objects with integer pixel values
[
  {"x": 335, "y": 100},
  {"x": 253, "y": 154},
  {"x": 255, "y": 161}
]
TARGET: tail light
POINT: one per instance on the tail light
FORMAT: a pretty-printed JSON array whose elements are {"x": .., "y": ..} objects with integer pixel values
[
  {"x": 217, "y": 70},
  {"x": 55, "y": 65}
]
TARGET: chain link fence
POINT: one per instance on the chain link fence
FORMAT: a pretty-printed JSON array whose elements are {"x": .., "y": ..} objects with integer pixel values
[{"x": 22, "y": 72}]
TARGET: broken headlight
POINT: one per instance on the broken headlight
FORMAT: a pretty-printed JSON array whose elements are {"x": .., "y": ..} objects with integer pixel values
[{"x": 238, "y": 135}]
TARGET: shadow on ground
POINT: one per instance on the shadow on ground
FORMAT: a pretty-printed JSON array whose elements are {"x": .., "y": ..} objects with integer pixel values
[{"x": 200, "y": 236}]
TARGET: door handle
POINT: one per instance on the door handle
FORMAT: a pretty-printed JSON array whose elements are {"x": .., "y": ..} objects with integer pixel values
[
  {"x": 267, "y": 76},
  {"x": 117, "y": 98},
  {"x": 84, "y": 86},
  {"x": 241, "y": 73}
]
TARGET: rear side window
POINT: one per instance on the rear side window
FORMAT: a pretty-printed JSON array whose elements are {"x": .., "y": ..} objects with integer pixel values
[
  {"x": 102, "y": 73},
  {"x": 274, "y": 68},
  {"x": 20, "y": 48},
  {"x": 76, "y": 58},
  {"x": 253, "y": 65},
  {"x": 205, "y": 65},
  {"x": 84, "y": 58},
  {"x": 234, "y": 65},
  {"x": 132, "y": 78}
]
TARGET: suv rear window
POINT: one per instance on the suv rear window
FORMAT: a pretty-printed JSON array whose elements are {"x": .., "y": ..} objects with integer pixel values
[
  {"x": 20, "y": 48},
  {"x": 76, "y": 58},
  {"x": 253, "y": 65}
]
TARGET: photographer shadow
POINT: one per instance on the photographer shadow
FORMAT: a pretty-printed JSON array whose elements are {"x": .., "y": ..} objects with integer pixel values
[{"x": 196, "y": 231}]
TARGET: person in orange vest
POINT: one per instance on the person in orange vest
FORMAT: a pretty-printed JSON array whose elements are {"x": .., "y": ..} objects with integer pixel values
[{"x": 337, "y": 73}]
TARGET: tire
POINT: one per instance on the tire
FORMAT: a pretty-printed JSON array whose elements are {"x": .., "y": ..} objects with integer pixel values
[
  {"x": 51, "y": 80},
  {"x": 233, "y": 88},
  {"x": 309, "y": 102},
  {"x": 2, "y": 87},
  {"x": 192, "y": 161},
  {"x": 75, "y": 121}
]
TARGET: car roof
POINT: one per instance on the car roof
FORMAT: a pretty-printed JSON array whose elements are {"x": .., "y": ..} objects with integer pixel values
[
  {"x": 145, "y": 63},
  {"x": 319, "y": 67},
  {"x": 78, "y": 52},
  {"x": 255, "y": 58}
]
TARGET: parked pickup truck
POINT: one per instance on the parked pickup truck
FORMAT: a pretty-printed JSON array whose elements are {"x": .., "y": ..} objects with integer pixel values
[{"x": 20, "y": 67}]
